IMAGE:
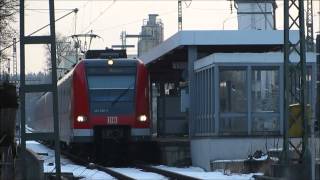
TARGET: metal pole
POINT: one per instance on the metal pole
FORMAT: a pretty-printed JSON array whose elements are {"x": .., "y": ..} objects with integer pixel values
[
  {"x": 179, "y": 15},
  {"x": 286, "y": 49},
  {"x": 54, "y": 91},
  {"x": 21, "y": 88},
  {"x": 303, "y": 93}
]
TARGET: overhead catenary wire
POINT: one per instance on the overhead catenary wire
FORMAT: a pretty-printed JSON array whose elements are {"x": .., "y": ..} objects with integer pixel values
[
  {"x": 132, "y": 22},
  {"x": 40, "y": 29},
  {"x": 45, "y": 9},
  {"x": 123, "y": 0},
  {"x": 83, "y": 14},
  {"x": 99, "y": 15}
]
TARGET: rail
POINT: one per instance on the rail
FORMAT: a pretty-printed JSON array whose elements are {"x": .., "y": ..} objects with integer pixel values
[
  {"x": 170, "y": 174},
  {"x": 147, "y": 168},
  {"x": 83, "y": 162}
]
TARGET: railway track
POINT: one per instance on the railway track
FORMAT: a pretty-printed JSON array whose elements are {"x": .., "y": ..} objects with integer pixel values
[
  {"x": 123, "y": 176},
  {"x": 145, "y": 168},
  {"x": 139, "y": 167},
  {"x": 171, "y": 175}
]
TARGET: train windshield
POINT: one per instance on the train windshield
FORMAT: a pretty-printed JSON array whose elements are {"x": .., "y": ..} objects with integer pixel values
[{"x": 111, "y": 94}]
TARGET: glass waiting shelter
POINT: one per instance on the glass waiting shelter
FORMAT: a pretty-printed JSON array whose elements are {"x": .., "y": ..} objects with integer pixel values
[{"x": 242, "y": 94}]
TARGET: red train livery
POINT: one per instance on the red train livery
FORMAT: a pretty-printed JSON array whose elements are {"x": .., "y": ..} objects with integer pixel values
[{"x": 103, "y": 98}]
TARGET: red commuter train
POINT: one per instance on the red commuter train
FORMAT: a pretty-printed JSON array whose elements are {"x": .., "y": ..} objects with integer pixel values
[{"x": 101, "y": 98}]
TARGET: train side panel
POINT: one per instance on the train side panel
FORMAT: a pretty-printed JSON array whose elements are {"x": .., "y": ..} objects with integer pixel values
[
  {"x": 81, "y": 131},
  {"x": 43, "y": 120},
  {"x": 142, "y": 103},
  {"x": 65, "y": 106}
]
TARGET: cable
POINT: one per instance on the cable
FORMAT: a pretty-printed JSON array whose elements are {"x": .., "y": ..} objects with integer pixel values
[
  {"x": 84, "y": 13},
  {"x": 123, "y": 0},
  {"x": 74, "y": 10},
  {"x": 44, "y": 9},
  {"x": 187, "y": 5},
  {"x": 100, "y": 14},
  {"x": 133, "y": 22}
]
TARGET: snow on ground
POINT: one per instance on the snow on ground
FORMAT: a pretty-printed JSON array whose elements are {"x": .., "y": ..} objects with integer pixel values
[
  {"x": 262, "y": 158},
  {"x": 138, "y": 174},
  {"x": 66, "y": 165},
  {"x": 80, "y": 171},
  {"x": 201, "y": 174}
]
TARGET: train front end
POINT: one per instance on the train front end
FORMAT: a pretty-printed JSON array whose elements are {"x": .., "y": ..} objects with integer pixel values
[{"x": 112, "y": 100}]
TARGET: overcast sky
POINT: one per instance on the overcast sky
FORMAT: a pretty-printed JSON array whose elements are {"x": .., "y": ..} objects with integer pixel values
[{"x": 108, "y": 18}]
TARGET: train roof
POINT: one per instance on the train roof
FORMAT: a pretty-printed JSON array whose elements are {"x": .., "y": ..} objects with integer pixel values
[
  {"x": 118, "y": 62},
  {"x": 106, "y": 53}
]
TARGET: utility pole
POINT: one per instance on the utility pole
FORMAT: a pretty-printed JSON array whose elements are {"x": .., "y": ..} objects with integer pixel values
[
  {"x": 295, "y": 89},
  {"x": 179, "y": 15},
  {"x": 30, "y": 88},
  {"x": 309, "y": 25},
  {"x": 180, "y": 12},
  {"x": 14, "y": 61},
  {"x": 123, "y": 38}
]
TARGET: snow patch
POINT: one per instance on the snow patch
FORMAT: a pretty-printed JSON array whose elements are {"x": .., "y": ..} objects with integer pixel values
[
  {"x": 66, "y": 165},
  {"x": 199, "y": 173},
  {"x": 139, "y": 174}
]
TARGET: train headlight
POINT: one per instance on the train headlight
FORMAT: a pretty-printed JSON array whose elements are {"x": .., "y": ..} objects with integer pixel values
[
  {"x": 110, "y": 62},
  {"x": 142, "y": 118},
  {"x": 82, "y": 119}
]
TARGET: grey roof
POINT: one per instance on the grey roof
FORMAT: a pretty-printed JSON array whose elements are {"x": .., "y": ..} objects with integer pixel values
[{"x": 216, "y": 38}]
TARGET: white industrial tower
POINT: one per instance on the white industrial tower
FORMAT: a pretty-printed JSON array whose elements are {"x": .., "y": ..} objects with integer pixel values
[{"x": 151, "y": 34}]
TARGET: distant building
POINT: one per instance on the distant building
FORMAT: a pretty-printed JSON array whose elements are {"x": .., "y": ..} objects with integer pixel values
[
  {"x": 253, "y": 15},
  {"x": 151, "y": 34}
]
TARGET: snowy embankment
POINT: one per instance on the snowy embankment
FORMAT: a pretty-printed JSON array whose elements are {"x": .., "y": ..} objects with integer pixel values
[
  {"x": 66, "y": 165},
  {"x": 47, "y": 155},
  {"x": 201, "y": 174},
  {"x": 138, "y": 174}
]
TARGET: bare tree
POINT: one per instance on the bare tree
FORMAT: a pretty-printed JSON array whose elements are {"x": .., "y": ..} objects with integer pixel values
[
  {"x": 8, "y": 9},
  {"x": 66, "y": 54},
  {"x": 64, "y": 50}
]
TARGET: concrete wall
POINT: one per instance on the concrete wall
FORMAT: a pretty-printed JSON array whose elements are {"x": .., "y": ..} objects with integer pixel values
[
  {"x": 205, "y": 150},
  {"x": 30, "y": 168}
]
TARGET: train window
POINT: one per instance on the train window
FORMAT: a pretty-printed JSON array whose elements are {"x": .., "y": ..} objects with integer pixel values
[
  {"x": 111, "y": 70},
  {"x": 111, "y": 94},
  {"x": 111, "y": 82}
]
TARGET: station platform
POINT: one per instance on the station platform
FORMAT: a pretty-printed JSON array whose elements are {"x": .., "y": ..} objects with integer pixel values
[{"x": 174, "y": 151}]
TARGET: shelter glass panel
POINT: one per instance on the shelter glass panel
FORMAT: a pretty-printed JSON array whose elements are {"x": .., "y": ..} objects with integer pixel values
[
  {"x": 266, "y": 123},
  {"x": 233, "y": 100},
  {"x": 295, "y": 85},
  {"x": 234, "y": 124},
  {"x": 233, "y": 90},
  {"x": 265, "y": 95},
  {"x": 265, "y": 90},
  {"x": 204, "y": 109}
]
